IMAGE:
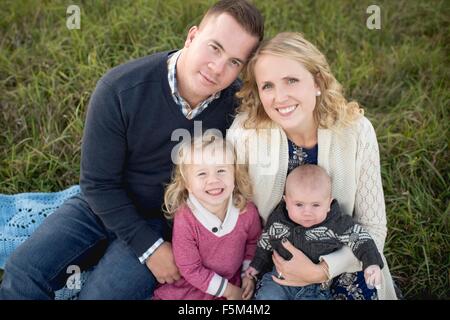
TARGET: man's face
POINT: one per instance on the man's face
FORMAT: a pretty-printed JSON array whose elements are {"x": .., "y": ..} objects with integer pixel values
[{"x": 213, "y": 57}]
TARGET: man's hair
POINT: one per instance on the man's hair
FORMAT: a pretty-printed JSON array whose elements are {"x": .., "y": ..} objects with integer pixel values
[{"x": 244, "y": 12}]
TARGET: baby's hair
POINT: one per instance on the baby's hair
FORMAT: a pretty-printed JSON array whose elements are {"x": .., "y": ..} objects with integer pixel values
[
  {"x": 310, "y": 176},
  {"x": 176, "y": 193}
]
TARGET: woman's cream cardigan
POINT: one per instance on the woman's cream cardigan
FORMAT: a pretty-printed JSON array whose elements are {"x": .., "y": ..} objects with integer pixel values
[{"x": 351, "y": 158}]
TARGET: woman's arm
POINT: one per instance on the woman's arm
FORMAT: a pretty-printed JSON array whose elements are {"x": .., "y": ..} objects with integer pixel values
[
  {"x": 254, "y": 232},
  {"x": 369, "y": 208},
  {"x": 340, "y": 261}
]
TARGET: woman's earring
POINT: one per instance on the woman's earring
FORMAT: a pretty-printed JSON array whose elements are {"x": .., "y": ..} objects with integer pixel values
[{"x": 318, "y": 93}]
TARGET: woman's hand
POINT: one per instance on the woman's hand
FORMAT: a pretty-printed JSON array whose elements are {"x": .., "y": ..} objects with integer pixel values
[{"x": 299, "y": 271}]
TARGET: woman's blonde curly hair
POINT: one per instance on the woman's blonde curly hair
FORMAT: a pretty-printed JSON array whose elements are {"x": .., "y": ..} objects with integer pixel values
[
  {"x": 176, "y": 193},
  {"x": 331, "y": 111}
]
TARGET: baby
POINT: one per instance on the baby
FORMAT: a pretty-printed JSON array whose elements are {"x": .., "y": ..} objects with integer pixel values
[{"x": 311, "y": 220}]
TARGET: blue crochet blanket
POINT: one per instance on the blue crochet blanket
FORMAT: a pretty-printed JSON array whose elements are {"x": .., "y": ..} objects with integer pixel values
[{"x": 21, "y": 214}]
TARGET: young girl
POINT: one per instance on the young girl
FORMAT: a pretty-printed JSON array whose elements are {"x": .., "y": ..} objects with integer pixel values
[{"x": 215, "y": 226}]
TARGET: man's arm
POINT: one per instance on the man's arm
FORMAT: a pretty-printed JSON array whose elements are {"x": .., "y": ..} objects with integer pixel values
[{"x": 103, "y": 159}]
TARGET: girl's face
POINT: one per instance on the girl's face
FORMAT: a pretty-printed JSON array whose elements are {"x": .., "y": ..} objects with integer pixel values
[
  {"x": 210, "y": 178},
  {"x": 287, "y": 90}
]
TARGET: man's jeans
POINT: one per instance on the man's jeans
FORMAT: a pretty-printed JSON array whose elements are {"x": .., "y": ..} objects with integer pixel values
[
  {"x": 74, "y": 236},
  {"x": 270, "y": 290}
]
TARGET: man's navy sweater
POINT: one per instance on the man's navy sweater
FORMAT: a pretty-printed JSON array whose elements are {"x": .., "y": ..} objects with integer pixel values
[{"x": 126, "y": 149}]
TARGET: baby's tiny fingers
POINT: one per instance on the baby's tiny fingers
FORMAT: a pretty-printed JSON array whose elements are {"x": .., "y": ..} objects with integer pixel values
[{"x": 370, "y": 282}]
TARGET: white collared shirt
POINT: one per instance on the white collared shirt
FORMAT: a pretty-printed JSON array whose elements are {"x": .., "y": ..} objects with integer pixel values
[{"x": 210, "y": 221}]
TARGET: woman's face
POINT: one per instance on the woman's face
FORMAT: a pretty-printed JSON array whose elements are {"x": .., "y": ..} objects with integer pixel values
[{"x": 287, "y": 91}]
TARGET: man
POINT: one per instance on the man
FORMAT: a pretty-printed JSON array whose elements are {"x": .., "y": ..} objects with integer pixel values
[{"x": 126, "y": 162}]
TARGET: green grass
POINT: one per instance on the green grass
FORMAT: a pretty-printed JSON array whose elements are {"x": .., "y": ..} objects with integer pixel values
[{"x": 400, "y": 74}]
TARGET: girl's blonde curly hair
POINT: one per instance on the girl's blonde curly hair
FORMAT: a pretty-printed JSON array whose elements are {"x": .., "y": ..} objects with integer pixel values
[
  {"x": 176, "y": 193},
  {"x": 331, "y": 111}
]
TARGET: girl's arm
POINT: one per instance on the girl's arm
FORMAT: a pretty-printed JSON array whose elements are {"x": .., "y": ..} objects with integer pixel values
[{"x": 254, "y": 233}]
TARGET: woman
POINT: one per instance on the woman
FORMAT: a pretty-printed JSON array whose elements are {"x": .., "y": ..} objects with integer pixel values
[{"x": 293, "y": 112}]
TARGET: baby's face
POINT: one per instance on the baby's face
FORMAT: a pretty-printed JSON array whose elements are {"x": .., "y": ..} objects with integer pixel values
[{"x": 306, "y": 206}]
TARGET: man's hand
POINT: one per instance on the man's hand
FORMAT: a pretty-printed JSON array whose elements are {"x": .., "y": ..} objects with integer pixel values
[
  {"x": 372, "y": 274},
  {"x": 162, "y": 264},
  {"x": 248, "y": 286},
  {"x": 232, "y": 292}
]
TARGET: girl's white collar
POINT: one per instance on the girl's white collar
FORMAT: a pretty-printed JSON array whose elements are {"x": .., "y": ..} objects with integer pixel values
[{"x": 210, "y": 221}]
